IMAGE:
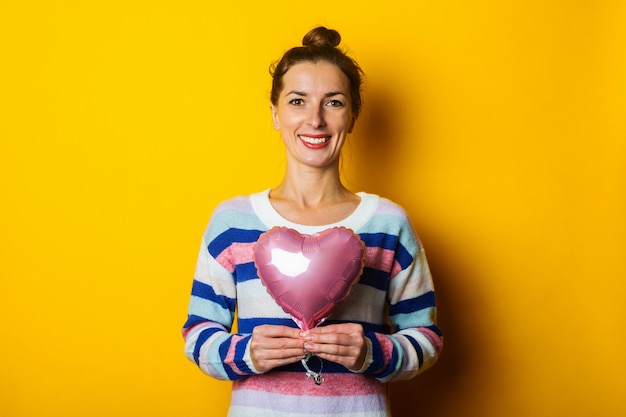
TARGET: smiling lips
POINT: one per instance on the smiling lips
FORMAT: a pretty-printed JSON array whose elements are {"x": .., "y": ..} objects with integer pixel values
[{"x": 315, "y": 141}]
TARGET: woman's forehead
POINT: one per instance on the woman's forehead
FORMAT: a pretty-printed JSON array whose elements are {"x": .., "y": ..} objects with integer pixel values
[{"x": 315, "y": 76}]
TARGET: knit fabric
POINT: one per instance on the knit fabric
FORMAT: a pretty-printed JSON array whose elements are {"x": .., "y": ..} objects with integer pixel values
[{"x": 394, "y": 301}]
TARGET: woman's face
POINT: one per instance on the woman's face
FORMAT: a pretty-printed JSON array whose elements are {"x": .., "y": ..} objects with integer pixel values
[{"x": 313, "y": 113}]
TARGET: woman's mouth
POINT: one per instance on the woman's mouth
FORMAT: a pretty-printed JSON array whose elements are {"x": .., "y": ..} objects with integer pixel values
[{"x": 314, "y": 141}]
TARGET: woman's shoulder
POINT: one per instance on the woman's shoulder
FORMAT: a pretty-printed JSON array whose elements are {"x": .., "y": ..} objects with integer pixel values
[
  {"x": 235, "y": 209},
  {"x": 385, "y": 206}
]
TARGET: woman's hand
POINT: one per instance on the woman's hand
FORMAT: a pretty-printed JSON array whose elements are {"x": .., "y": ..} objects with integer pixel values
[
  {"x": 272, "y": 346},
  {"x": 341, "y": 343}
]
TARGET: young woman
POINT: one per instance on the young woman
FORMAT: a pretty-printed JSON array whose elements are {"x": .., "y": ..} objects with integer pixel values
[{"x": 385, "y": 330}]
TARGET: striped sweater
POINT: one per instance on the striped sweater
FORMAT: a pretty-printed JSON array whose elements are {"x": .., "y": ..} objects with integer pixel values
[{"x": 394, "y": 301}]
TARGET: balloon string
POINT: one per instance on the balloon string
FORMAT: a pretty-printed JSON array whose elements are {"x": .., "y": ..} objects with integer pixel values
[{"x": 315, "y": 376}]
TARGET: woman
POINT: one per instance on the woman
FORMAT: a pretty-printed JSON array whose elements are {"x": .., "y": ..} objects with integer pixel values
[{"x": 385, "y": 330}]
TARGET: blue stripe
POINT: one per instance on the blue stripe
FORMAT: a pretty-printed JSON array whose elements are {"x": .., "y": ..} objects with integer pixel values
[
  {"x": 393, "y": 362},
  {"x": 392, "y": 366},
  {"x": 192, "y": 320},
  {"x": 435, "y": 329},
  {"x": 245, "y": 272},
  {"x": 403, "y": 257},
  {"x": 389, "y": 242},
  {"x": 375, "y": 278},
  {"x": 367, "y": 327},
  {"x": 412, "y": 305},
  {"x": 418, "y": 349},
  {"x": 230, "y": 236},
  {"x": 246, "y": 326},
  {"x": 202, "y": 337},
  {"x": 223, "y": 350},
  {"x": 206, "y": 292},
  {"x": 240, "y": 351},
  {"x": 380, "y": 240}
]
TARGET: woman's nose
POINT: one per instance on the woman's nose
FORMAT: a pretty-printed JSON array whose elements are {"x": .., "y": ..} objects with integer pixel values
[{"x": 316, "y": 117}]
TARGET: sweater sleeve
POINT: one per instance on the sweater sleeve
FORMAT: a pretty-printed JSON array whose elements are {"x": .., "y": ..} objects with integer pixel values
[
  {"x": 416, "y": 340},
  {"x": 207, "y": 332}
]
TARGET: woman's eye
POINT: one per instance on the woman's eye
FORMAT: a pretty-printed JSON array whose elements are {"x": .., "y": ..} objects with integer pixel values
[
  {"x": 296, "y": 101},
  {"x": 335, "y": 103}
]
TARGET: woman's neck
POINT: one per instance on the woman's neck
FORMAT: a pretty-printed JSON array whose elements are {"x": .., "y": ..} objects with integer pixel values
[{"x": 313, "y": 197}]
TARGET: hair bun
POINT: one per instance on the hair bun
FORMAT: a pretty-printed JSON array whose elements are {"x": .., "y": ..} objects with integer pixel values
[{"x": 322, "y": 37}]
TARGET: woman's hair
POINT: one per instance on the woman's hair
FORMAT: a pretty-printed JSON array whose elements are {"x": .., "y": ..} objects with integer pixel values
[{"x": 320, "y": 44}]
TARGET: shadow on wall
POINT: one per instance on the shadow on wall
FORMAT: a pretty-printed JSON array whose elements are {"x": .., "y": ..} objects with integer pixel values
[
  {"x": 374, "y": 154},
  {"x": 444, "y": 389},
  {"x": 381, "y": 163}
]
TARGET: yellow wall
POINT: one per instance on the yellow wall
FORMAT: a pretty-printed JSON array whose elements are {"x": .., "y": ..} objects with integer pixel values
[{"x": 498, "y": 125}]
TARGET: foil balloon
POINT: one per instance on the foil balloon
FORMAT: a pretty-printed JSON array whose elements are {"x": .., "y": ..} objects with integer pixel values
[{"x": 308, "y": 275}]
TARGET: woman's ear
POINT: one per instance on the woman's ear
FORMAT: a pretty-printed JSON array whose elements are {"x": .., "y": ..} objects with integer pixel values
[
  {"x": 275, "y": 117},
  {"x": 352, "y": 122}
]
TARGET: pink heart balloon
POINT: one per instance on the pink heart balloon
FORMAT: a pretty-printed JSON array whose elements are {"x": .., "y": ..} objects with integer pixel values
[{"x": 308, "y": 275}]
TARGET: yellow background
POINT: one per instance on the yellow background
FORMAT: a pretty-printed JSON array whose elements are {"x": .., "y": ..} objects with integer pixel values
[{"x": 498, "y": 125}]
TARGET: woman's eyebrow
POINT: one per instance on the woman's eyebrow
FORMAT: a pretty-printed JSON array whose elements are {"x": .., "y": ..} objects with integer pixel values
[{"x": 329, "y": 94}]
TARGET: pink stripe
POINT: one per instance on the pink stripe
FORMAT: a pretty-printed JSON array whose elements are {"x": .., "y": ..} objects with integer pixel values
[
  {"x": 205, "y": 325},
  {"x": 379, "y": 258},
  {"x": 237, "y": 253},
  {"x": 383, "y": 260},
  {"x": 434, "y": 338},
  {"x": 395, "y": 270},
  {"x": 189, "y": 329},
  {"x": 226, "y": 260},
  {"x": 243, "y": 252},
  {"x": 295, "y": 383},
  {"x": 230, "y": 357}
]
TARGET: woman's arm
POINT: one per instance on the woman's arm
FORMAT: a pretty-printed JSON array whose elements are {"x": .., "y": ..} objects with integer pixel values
[
  {"x": 207, "y": 333},
  {"x": 415, "y": 340}
]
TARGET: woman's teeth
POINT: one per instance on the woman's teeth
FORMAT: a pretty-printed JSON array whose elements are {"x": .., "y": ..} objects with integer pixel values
[{"x": 314, "y": 141}]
